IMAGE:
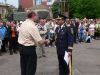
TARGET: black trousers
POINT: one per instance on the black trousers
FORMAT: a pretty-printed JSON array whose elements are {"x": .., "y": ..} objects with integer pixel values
[
  {"x": 13, "y": 44},
  {"x": 76, "y": 37},
  {"x": 63, "y": 67},
  {"x": 6, "y": 42},
  {"x": 3, "y": 48},
  {"x": 28, "y": 60},
  {"x": 51, "y": 42}
]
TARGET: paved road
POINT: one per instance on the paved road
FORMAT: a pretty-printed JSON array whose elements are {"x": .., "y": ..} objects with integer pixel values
[
  {"x": 10, "y": 65},
  {"x": 86, "y": 61}
]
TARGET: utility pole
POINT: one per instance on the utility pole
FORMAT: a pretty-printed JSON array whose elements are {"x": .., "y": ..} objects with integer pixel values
[
  {"x": 64, "y": 7},
  {"x": 68, "y": 8}
]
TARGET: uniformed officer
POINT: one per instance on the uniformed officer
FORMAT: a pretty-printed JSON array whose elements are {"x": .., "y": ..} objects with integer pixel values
[{"x": 64, "y": 42}]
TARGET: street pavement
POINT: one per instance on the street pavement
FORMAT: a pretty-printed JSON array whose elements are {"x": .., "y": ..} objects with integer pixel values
[{"x": 86, "y": 61}]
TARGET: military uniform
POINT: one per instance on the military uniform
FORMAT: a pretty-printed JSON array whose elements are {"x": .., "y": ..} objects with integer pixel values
[{"x": 64, "y": 42}]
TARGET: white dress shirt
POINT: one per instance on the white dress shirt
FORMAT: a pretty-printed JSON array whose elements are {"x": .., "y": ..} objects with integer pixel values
[{"x": 28, "y": 33}]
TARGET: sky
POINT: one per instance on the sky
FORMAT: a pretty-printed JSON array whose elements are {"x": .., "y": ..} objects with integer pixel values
[
  {"x": 38, "y": 2},
  {"x": 11, "y": 2}
]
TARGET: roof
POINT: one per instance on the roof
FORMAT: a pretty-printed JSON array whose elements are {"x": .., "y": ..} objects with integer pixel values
[{"x": 6, "y": 5}]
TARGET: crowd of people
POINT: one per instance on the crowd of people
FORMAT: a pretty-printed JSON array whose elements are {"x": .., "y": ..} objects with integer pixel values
[
  {"x": 33, "y": 34},
  {"x": 83, "y": 31},
  {"x": 8, "y": 37}
]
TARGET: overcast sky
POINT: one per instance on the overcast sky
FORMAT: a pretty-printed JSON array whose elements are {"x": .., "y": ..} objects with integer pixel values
[{"x": 11, "y": 2}]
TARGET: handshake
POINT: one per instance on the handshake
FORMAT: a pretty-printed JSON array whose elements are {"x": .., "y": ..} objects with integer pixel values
[{"x": 47, "y": 41}]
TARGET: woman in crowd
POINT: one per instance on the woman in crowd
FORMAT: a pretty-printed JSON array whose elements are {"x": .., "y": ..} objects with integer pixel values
[
  {"x": 13, "y": 39},
  {"x": 92, "y": 29}
]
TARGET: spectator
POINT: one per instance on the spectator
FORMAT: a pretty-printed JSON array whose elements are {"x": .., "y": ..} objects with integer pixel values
[
  {"x": 43, "y": 30},
  {"x": 3, "y": 34},
  {"x": 92, "y": 29},
  {"x": 81, "y": 32},
  {"x": 13, "y": 39},
  {"x": 0, "y": 44}
]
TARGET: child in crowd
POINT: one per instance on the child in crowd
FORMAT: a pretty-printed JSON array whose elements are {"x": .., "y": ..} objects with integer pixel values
[{"x": 88, "y": 39}]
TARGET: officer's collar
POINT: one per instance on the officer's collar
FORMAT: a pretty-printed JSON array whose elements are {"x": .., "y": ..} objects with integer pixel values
[{"x": 62, "y": 26}]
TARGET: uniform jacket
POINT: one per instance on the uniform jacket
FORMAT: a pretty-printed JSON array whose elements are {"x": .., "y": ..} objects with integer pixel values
[{"x": 64, "y": 39}]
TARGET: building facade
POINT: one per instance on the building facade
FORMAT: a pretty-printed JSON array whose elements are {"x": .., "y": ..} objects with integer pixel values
[
  {"x": 3, "y": 10},
  {"x": 26, "y": 4},
  {"x": 50, "y": 2}
]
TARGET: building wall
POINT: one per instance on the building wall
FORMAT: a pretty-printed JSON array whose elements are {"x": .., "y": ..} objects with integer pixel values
[
  {"x": 26, "y": 3},
  {"x": 50, "y": 2},
  {"x": 44, "y": 2},
  {"x": 3, "y": 11}
]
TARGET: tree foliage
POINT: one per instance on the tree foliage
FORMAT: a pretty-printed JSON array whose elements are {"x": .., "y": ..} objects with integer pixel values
[
  {"x": 84, "y": 8},
  {"x": 80, "y": 8},
  {"x": 55, "y": 9}
]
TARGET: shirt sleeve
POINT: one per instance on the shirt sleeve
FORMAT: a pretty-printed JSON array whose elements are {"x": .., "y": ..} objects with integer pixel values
[{"x": 33, "y": 30}]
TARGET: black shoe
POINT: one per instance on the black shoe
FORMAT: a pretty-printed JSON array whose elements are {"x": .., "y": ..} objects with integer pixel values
[
  {"x": 11, "y": 53},
  {"x": 0, "y": 54},
  {"x": 43, "y": 55},
  {"x": 40, "y": 57},
  {"x": 15, "y": 52}
]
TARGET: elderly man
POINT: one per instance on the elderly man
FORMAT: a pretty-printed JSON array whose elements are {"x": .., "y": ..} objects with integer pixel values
[
  {"x": 28, "y": 38},
  {"x": 43, "y": 30},
  {"x": 3, "y": 31}
]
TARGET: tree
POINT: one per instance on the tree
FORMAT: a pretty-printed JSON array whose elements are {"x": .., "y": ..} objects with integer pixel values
[
  {"x": 11, "y": 9},
  {"x": 84, "y": 8},
  {"x": 55, "y": 9}
]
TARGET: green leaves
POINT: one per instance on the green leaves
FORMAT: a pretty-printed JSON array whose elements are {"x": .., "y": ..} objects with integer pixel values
[
  {"x": 55, "y": 9},
  {"x": 84, "y": 8},
  {"x": 80, "y": 8}
]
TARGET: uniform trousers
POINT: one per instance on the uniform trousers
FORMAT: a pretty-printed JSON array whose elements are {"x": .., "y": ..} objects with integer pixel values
[
  {"x": 63, "y": 67},
  {"x": 28, "y": 60}
]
